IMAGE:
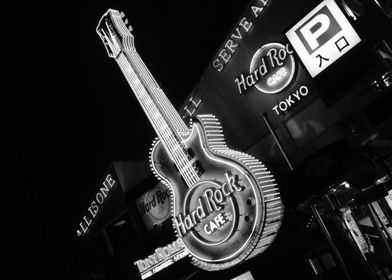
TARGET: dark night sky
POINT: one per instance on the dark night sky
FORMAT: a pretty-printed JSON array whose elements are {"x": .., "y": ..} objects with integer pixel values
[{"x": 76, "y": 112}]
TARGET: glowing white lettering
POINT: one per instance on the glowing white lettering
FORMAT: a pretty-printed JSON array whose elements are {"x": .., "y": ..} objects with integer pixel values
[
  {"x": 244, "y": 83},
  {"x": 159, "y": 257},
  {"x": 210, "y": 201},
  {"x": 245, "y": 24},
  {"x": 224, "y": 55},
  {"x": 214, "y": 224},
  {"x": 272, "y": 56},
  {"x": 277, "y": 77},
  {"x": 99, "y": 198},
  {"x": 289, "y": 101},
  {"x": 237, "y": 34},
  {"x": 218, "y": 65},
  {"x": 276, "y": 58},
  {"x": 231, "y": 45},
  {"x": 93, "y": 209}
]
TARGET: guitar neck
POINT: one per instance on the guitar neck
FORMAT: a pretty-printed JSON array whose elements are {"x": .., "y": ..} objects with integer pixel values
[
  {"x": 157, "y": 95},
  {"x": 165, "y": 120},
  {"x": 142, "y": 93},
  {"x": 167, "y": 123}
]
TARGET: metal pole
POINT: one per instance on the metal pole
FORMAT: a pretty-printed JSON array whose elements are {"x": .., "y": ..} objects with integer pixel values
[
  {"x": 280, "y": 146},
  {"x": 330, "y": 241}
]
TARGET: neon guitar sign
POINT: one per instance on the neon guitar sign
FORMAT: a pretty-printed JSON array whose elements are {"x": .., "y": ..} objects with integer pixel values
[{"x": 225, "y": 204}]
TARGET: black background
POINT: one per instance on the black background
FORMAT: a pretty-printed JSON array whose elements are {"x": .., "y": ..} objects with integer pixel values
[{"x": 75, "y": 113}]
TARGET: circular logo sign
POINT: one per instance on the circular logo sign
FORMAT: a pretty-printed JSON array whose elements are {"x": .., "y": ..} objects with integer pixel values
[
  {"x": 162, "y": 197},
  {"x": 215, "y": 209},
  {"x": 273, "y": 67}
]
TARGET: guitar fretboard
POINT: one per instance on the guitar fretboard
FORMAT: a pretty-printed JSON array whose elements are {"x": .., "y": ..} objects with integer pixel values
[{"x": 161, "y": 113}]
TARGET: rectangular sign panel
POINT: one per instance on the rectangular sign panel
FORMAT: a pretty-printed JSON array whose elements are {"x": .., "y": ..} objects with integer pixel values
[
  {"x": 161, "y": 258},
  {"x": 322, "y": 37}
]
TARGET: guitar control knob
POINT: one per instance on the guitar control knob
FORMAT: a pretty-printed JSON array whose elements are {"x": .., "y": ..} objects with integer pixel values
[
  {"x": 248, "y": 218},
  {"x": 251, "y": 201}
]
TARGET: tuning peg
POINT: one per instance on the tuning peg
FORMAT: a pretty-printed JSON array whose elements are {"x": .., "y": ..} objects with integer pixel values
[{"x": 126, "y": 21}]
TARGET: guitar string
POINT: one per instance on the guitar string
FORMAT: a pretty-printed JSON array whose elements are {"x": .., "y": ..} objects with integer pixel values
[
  {"x": 128, "y": 45},
  {"x": 176, "y": 156},
  {"x": 188, "y": 167},
  {"x": 168, "y": 108},
  {"x": 175, "y": 117},
  {"x": 138, "y": 89},
  {"x": 185, "y": 157},
  {"x": 172, "y": 113},
  {"x": 167, "y": 133}
]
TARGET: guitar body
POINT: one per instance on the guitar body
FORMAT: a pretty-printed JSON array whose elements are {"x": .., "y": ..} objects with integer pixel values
[{"x": 233, "y": 212}]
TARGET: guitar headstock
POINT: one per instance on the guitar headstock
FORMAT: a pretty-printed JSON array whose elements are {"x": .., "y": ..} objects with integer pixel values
[{"x": 114, "y": 33}]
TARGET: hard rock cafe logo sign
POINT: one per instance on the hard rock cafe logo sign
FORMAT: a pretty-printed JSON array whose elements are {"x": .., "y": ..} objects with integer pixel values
[
  {"x": 201, "y": 202},
  {"x": 271, "y": 71},
  {"x": 154, "y": 206},
  {"x": 215, "y": 221},
  {"x": 209, "y": 214}
]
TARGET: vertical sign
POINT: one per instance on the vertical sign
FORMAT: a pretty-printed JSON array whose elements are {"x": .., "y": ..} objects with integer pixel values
[{"x": 322, "y": 37}]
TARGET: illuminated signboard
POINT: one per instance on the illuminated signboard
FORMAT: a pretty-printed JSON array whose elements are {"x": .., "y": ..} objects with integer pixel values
[
  {"x": 95, "y": 206},
  {"x": 161, "y": 258},
  {"x": 232, "y": 44},
  {"x": 281, "y": 64},
  {"x": 154, "y": 206},
  {"x": 271, "y": 69},
  {"x": 322, "y": 37}
]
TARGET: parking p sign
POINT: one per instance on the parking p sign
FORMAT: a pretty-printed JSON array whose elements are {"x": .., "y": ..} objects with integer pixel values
[{"x": 322, "y": 37}]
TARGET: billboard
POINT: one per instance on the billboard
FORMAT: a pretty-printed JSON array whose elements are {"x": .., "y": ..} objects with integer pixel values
[{"x": 322, "y": 37}]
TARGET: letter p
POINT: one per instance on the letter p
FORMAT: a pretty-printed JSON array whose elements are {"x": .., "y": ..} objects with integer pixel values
[
  {"x": 317, "y": 30},
  {"x": 313, "y": 30}
]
